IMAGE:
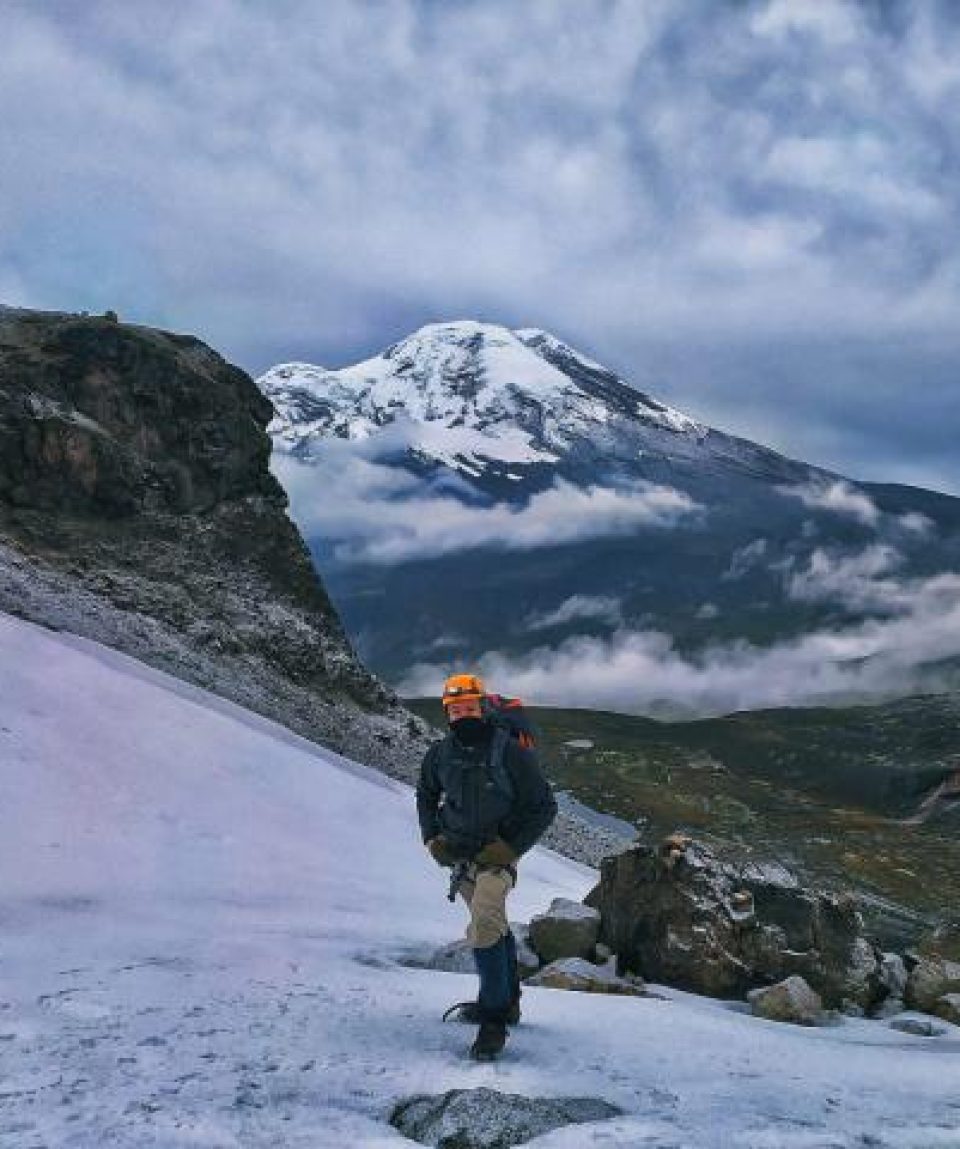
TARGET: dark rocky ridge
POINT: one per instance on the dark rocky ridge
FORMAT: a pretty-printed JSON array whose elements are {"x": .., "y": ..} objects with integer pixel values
[{"x": 137, "y": 509}]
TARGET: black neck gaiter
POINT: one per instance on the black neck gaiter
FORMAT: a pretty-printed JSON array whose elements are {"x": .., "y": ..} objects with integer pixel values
[{"x": 471, "y": 731}]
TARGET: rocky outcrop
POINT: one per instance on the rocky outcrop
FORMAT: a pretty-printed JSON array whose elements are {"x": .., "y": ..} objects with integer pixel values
[
  {"x": 790, "y": 1000},
  {"x": 929, "y": 979},
  {"x": 567, "y": 929},
  {"x": 137, "y": 508},
  {"x": 680, "y": 915},
  {"x": 488, "y": 1119}
]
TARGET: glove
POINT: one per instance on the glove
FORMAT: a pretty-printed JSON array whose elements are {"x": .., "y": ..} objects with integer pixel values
[
  {"x": 496, "y": 853},
  {"x": 439, "y": 848}
]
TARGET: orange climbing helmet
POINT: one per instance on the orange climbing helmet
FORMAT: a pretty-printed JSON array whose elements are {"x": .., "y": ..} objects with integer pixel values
[{"x": 460, "y": 687}]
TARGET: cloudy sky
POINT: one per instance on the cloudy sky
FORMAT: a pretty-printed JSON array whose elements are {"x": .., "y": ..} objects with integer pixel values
[{"x": 749, "y": 209}]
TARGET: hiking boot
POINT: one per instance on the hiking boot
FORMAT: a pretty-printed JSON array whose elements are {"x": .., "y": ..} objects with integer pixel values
[
  {"x": 472, "y": 1013},
  {"x": 490, "y": 1040}
]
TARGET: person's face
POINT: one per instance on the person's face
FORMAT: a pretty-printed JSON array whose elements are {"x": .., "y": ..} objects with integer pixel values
[{"x": 464, "y": 708}]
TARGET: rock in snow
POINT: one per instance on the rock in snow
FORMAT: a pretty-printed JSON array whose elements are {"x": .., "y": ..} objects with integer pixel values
[
  {"x": 789, "y": 1000},
  {"x": 566, "y": 929},
  {"x": 682, "y": 916},
  {"x": 578, "y": 974},
  {"x": 487, "y": 1119}
]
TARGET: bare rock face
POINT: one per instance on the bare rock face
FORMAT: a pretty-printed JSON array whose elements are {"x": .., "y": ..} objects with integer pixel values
[
  {"x": 566, "y": 929},
  {"x": 929, "y": 979},
  {"x": 581, "y": 975},
  {"x": 680, "y": 915},
  {"x": 790, "y": 1000},
  {"x": 948, "y": 1007},
  {"x": 137, "y": 508},
  {"x": 487, "y": 1119}
]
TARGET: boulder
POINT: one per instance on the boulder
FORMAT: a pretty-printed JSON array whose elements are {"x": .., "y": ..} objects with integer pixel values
[
  {"x": 567, "y": 929},
  {"x": 948, "y": 1007},
  {"x": 917, "y": 1027},
  {"x": 487, "y": 1119},
  {"x": 682, "y": 916},
  {"x": 931, "y": 978},
  {"x": 579, "y": 974},
  {"x": 789, "y": 1000}
]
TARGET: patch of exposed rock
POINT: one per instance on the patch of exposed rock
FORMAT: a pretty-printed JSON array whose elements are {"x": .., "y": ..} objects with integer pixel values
[
  {"x": 487, "y": 1119},
  {"x": 566, "y": 929},
  {"x": 917, "y": 1026},
  {"x": 577, "y": 974},
  {"x": 790, "y": 1000},
  {"x": 137, "y": 509},
  {"x": 679, "y": 915},
  {"x": 930, "y": 978}
]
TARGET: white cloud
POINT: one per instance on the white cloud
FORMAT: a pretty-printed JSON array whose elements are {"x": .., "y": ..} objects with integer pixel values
[
  {"x": 371, "y": 512},
  {"x": 916, "y": 523},
  {"x": 714, "y": 176},
  {"x": 744, "y": 558},
  {"x": 840, "y": 497},
  {"x": 601, "y": 608},
  {"x": 833, "y": 21},
  {"x": 641, "y": 671}
]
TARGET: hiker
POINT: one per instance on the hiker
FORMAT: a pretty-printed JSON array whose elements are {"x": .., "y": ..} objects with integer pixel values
[{"x": 483, "y": 801}]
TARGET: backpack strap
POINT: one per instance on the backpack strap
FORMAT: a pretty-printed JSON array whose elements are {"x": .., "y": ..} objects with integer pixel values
[{"x": 498, "y": 769}]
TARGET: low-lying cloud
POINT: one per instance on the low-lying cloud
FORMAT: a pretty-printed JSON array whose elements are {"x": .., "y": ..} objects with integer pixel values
[
  {"x": 841, "y": 498},
  {"x": 907, "y": 649},
  {"x": 577, "y": 608},
  {"x": 370, "y": 512}
]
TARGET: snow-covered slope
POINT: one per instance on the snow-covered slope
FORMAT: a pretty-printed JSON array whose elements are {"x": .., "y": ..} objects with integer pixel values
[{"x": 202, "y": 920}]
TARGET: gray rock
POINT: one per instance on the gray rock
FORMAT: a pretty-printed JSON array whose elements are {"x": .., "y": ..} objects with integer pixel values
[
  {"x": 527, "y": 960},
  {"x": 579, "y": 974},
  {"x": 948, "y": 1007},
  {"x": 602, "y": 953},
  {"x": 890, "y": 1007},
  {"x": 682, "y": 916},
  {"x": 567, "y": 929},
  {"x": 455, "y": 957},
  {"x": 929, "y": 980},
  {"x": 789, "y": 1000},
  {"x": 893, "y": 975},
  {"x": 486, "y": 1119},
  {"x": 917, "y": 1027}
]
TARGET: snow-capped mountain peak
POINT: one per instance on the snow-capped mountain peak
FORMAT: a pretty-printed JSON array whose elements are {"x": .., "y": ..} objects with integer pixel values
[{"x": 467, "y": 394}]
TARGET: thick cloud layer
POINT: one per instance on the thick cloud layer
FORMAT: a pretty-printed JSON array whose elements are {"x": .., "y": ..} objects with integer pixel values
[
  {"x": 911, "y": 643},
  {"x": 374, "y": 513},
  {"x": 749, "y": 208}
]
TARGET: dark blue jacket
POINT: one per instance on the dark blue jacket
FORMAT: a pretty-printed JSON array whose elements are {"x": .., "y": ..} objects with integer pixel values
[{"x": 473, "y": 794}]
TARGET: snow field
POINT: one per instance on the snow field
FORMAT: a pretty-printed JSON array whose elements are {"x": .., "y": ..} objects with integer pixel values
[{"x": 203, "y": 924}]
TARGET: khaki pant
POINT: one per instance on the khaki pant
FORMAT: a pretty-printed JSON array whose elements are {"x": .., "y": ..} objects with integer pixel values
[{"x": 485, "y": 889}]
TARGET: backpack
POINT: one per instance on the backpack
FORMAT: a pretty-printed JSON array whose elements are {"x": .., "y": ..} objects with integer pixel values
[{"x": 510, "y": 714}]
